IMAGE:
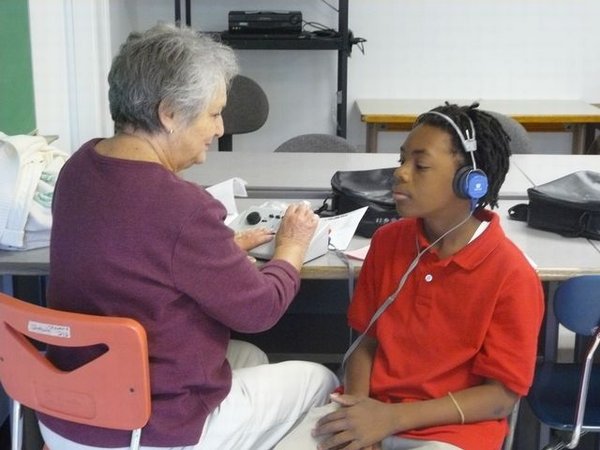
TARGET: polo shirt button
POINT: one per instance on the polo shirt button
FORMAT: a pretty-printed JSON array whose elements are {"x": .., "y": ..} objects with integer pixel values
[{"x": 428, "y": 277}]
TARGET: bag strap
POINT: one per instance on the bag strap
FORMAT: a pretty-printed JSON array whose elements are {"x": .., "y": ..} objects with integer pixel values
[
  {"x": 519, "y": 212},
  {"x": 583, "y": 222}
]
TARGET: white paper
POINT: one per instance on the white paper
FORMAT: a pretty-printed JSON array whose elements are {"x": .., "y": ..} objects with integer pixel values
[
  {"x": 343, "y": 227},
  {"x": 226, "y": 191}
]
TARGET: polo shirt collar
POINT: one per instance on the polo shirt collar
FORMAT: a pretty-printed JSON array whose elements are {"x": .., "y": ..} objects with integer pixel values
[{"x": 476, "y": 251}]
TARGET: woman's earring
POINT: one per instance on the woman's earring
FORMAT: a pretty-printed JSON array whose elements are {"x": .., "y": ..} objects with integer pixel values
[{"x": 171, "y": 131}]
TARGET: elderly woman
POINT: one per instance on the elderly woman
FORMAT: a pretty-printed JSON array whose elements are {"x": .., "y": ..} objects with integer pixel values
[{"x": 131, "y": 238}]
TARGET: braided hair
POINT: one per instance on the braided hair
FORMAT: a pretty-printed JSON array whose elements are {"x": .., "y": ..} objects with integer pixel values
[{"x": 493, "y": 150}]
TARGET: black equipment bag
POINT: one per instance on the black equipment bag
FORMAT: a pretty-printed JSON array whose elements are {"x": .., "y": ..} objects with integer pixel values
[
  {"x": 569, "y": 206},
  {"x": 358, "y": 188}
]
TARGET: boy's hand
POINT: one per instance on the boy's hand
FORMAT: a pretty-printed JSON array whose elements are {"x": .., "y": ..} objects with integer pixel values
[{"x": 361, "y": 423}]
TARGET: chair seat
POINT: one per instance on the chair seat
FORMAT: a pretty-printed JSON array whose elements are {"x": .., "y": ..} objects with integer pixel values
[{"x": 556, "y": 406}]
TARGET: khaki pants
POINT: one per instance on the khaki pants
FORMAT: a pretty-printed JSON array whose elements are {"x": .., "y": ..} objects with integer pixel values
[
  {"x": 301, "y": 439},
  {"x": 264, "y": 404}
]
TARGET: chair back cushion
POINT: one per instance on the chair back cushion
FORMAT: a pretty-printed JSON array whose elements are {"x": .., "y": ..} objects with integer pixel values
[
  {"x": 577, "y": 304},
  {"x": 519, "y": 137},
  {"x": 247, "y": 106},
  {"x": 317, "y": 143}
]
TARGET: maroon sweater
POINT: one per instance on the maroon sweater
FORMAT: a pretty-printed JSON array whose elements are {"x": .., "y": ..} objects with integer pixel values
[{"x": 132, "y": 239}]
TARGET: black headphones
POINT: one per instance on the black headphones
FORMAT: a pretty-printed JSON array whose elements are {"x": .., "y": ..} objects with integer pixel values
[{"x": 469, "y": 181}]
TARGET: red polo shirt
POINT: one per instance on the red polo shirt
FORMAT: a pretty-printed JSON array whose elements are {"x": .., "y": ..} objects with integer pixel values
[{"x": 455, "y": 322}]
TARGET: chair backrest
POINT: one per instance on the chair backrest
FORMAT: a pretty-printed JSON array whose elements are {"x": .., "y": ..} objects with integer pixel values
[
  {"x": 317, "y": 143},
  {"x": 577, "y": 307},
  {"x": 520, "y": 141},
  {"x": 594, "y": 148},
  {"x": 246, "y": 110},
  {"x": 577, "y": 304},
  {"x": 513, "y": 419},
  {"x": 111, "y": 391}
]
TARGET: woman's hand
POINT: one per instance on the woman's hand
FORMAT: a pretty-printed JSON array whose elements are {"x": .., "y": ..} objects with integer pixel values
[
  {"x": 295, "y": 232},
  {"x": 361, "y": 423},
  {"x": 249, "y": 239}
]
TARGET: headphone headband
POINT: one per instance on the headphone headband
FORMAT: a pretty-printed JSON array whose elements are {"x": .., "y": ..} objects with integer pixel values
[
  {"x": 468, "y": 140},
  {"x": 469, "y": 182}
]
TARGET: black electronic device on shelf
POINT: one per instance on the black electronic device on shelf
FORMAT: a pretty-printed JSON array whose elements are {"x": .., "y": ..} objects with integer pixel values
[
  {"x": 339, "y": 40},
  {"x": 265, "y": 22}
]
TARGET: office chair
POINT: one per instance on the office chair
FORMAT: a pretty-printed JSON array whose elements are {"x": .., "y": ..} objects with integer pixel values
[
  {"x": 317, "y": 143},
  {"x": 111, "y": 391},
  {"x": 246, "y": 110},
  {"x": 519, "y": 137},
  {"x": 566, "y": 396},
  {"x": 594, "y": 148}
]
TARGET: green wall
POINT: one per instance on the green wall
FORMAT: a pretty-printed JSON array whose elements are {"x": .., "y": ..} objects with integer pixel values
[{"x": 17, "y": 107}]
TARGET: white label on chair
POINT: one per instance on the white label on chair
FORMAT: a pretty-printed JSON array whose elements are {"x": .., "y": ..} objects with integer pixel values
[{"x": 49, "y": 329}]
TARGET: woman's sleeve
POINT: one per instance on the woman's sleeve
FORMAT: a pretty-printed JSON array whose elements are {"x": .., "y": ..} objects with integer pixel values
[{"x": 209, "y": 267}]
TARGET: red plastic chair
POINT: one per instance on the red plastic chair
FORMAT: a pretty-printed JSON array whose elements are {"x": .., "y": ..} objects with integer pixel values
[{"x": 111, "y": 391}]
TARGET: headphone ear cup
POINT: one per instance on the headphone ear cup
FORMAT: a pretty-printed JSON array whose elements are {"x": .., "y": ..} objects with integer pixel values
[
  {"x": 459, "y": 182},
  {"x": 470, "y": 183}
]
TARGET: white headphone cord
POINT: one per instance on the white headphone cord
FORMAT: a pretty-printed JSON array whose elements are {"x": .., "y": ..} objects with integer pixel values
[
  {"x": 389, "y": 300},
  {"x": 350, "y": 269}
]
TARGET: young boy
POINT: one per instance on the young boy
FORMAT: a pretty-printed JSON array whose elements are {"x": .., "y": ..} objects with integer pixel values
[{"x": 455, "y": 347}]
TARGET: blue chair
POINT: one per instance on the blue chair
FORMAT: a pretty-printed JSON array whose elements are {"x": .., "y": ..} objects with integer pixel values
[{"x": 566, "y": 396}]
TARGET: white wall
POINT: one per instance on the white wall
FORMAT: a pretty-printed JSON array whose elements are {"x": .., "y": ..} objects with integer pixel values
[
  {"x": 71, "y": 55},
  {"x": 416, "y": 48}
]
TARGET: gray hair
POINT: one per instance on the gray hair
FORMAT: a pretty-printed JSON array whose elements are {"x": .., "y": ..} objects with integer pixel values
[{"x": 177, "y": 66}]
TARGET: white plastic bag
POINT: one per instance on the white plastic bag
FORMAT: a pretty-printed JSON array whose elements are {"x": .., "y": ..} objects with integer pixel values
[{"x": 29, "y": 167}]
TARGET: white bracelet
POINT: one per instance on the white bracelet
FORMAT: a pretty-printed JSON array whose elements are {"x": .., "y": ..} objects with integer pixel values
[{"x": 458, "y": 408}]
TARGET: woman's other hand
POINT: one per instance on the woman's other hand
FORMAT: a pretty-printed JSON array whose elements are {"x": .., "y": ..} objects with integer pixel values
[
  {"x": 295, "y": 232},
  {"x": 249, "y": 239}
]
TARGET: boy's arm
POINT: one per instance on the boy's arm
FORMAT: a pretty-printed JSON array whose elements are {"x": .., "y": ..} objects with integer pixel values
[
  {"x": 358, "y": 368},
  {"x": 365, "y": 421}
]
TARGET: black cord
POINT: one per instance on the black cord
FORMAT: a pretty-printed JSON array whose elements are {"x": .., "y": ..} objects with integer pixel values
[
  {"x": 331, "y": 6},
  {"x": 320, "y": 30},
  {"x": 323, "y": 210},
  {"x": 358, "y": 41}
]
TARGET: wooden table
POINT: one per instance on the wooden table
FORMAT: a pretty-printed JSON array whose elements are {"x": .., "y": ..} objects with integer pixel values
[{"x": 579, "y": 117}]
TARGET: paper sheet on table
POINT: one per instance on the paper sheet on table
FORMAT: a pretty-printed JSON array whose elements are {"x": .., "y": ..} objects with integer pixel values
[
  {"x": 359, "y": 253},
  {"x": 343, "y": 227},
  {"x": 226, "y": 191}
]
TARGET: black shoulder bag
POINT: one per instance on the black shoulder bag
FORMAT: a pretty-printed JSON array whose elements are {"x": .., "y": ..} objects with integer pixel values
[
  {"x": 358, "y": 188},
  {"x": 569, "y": 206}
]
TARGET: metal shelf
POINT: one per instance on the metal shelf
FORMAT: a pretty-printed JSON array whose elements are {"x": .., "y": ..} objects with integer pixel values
[
  {"x": 304, "y": 41},
  {"x": 340, "y": 42}
]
